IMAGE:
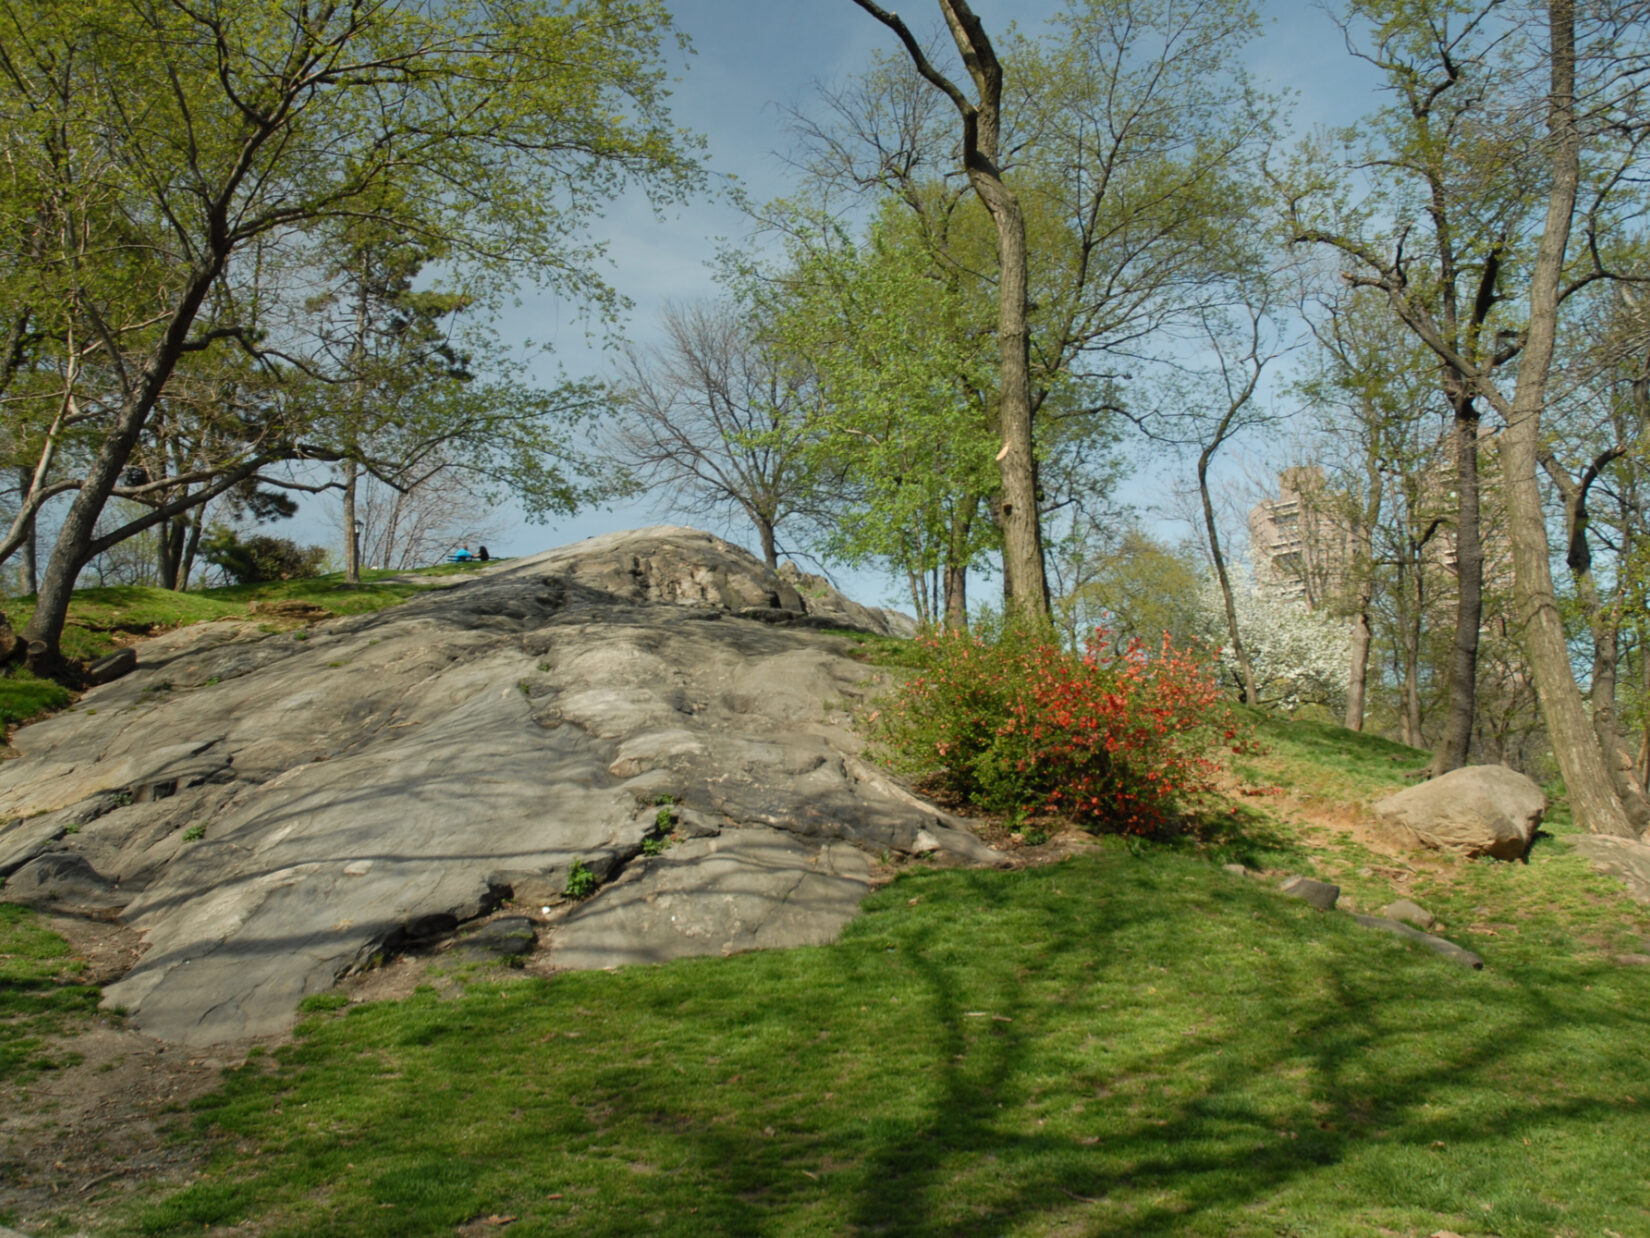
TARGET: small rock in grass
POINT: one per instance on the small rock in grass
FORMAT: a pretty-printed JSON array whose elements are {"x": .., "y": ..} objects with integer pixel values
[
  {"x": 1320, "y": 894},
  {"x": 1237, "y": 870},
  {"x": 1633, "y": 960},
  {"x": 1451, "y": 951},
  {"x": 1409, "y": 913}
]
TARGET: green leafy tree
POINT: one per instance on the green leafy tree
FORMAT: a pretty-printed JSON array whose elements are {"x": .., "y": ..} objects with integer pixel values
[
  {"x": 223, "y": 137},
  {"x": 903, "y": 377},
  {"x": 1129, "y": 141}
]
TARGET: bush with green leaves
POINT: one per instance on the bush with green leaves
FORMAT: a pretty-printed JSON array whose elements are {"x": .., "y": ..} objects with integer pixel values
[
  {"x": 1013, "y": 723},
  {"x": 259, "y": 557}
]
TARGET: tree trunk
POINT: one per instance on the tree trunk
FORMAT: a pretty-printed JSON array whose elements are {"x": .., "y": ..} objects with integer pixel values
[
  {"x": 1412, "y": 733},
  {"x": 1246, "y": 672},
  {"x": 31, "y": 567},
  {"x": 956, "y": 562},
  {"x": 770, "y": 552},
  {"x": 1022, "y": 524},
  {"x": 352, "y": 537},
  {"x": 192, "y": 547},
  {"x": 1363, "y": 565},
  {"x": 1606, "y": 721},
  {"x": 1587, "y": 780},
  {"x": 1409, "y": 641},
  {"x": 72, "y": 549},
  {"x": 170, "y": 541},
  {"x": 1456, "y": 740},
  {"x": 1025, "y": 583},
  {"x": 1358, "y": 676}
]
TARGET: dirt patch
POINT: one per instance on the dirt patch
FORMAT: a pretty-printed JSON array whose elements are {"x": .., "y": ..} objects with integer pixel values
[
  {"x": 78, "y": 1141},
  {"x": 81, "y": 1140}
]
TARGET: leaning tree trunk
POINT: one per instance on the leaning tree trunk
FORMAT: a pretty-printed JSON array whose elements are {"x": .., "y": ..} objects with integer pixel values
[
  {"x": 1456, "y": 740},
  {"x": 1593, "y": 798}
]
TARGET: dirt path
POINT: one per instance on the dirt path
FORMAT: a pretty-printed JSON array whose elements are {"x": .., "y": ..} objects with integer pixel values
[{"x": 79, "y": 1141}]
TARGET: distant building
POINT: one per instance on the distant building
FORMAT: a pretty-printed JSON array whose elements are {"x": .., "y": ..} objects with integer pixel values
[
  {"x": 1303, "y": 546},
  {"x": 1300, "y": 547}
]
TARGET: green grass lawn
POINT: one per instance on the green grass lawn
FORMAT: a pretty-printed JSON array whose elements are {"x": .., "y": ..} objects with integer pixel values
[
  {"x": 1132, "y": 1042},
  {"x": 39, "y": 994}
]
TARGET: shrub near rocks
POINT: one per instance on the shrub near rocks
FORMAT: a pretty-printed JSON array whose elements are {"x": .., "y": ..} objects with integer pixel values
[{"x": 1015, "y": 724}]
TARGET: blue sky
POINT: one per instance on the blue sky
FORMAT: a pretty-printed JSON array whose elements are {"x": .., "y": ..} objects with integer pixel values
[{"x": 752, "y": 60}]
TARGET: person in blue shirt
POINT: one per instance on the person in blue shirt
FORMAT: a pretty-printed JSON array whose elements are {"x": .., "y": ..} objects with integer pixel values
[{"x": 462, "y": 555}]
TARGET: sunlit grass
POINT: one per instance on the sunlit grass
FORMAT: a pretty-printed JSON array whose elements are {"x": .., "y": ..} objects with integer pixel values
[{"x": 1132, "y": 1042}]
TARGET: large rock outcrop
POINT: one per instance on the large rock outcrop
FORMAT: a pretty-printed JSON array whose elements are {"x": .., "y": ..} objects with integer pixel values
[
  {"x": 272, "y": 810},
  {"x": 1475, "y": 810}
]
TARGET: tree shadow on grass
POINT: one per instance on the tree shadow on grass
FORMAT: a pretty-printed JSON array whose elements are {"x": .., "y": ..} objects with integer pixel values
[{"x": 1115, "y": 1046}]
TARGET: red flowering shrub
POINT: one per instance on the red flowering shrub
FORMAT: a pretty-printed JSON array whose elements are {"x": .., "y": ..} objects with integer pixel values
[{"x": 1016, "y": 724}]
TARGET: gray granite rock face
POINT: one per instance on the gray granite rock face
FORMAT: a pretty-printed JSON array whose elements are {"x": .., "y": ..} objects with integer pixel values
[{"x": 272, "y": 810}]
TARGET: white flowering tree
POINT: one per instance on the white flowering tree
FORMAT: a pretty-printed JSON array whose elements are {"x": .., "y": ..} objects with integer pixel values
[{"x": 1299, "y": 657}]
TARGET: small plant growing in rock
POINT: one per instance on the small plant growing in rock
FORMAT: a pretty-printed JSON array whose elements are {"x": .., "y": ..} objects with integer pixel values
[
  {"x": 194, "y": 833},
  {"x": 655, "y": 844},
  {"x": 581, "y": 882}
]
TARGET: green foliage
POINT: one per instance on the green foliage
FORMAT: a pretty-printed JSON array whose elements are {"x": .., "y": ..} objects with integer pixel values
[
  {"x": 317, "y": 1003},
  {"x": 581, "y": 882},
  {"x": 23, "y": 696},
  {"x": 258, "y": 558},
  {"x": 194, "y": 834},
  {"x": 39, "y": 998},
  {"x": 1134, "y": 585},
  {"x": 201, "y": 170},
  {"x": 1011, "y": 722},
  {"x": 902, "y": 362}
]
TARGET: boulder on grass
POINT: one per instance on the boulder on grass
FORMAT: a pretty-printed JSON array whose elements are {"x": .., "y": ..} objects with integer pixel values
[{"x": 1476, "y": 810}]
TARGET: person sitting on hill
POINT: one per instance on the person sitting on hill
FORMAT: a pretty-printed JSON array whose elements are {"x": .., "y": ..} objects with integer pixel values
[
  {"x": 462, "y": 555},
  {"x": 482, "y": 554}
]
